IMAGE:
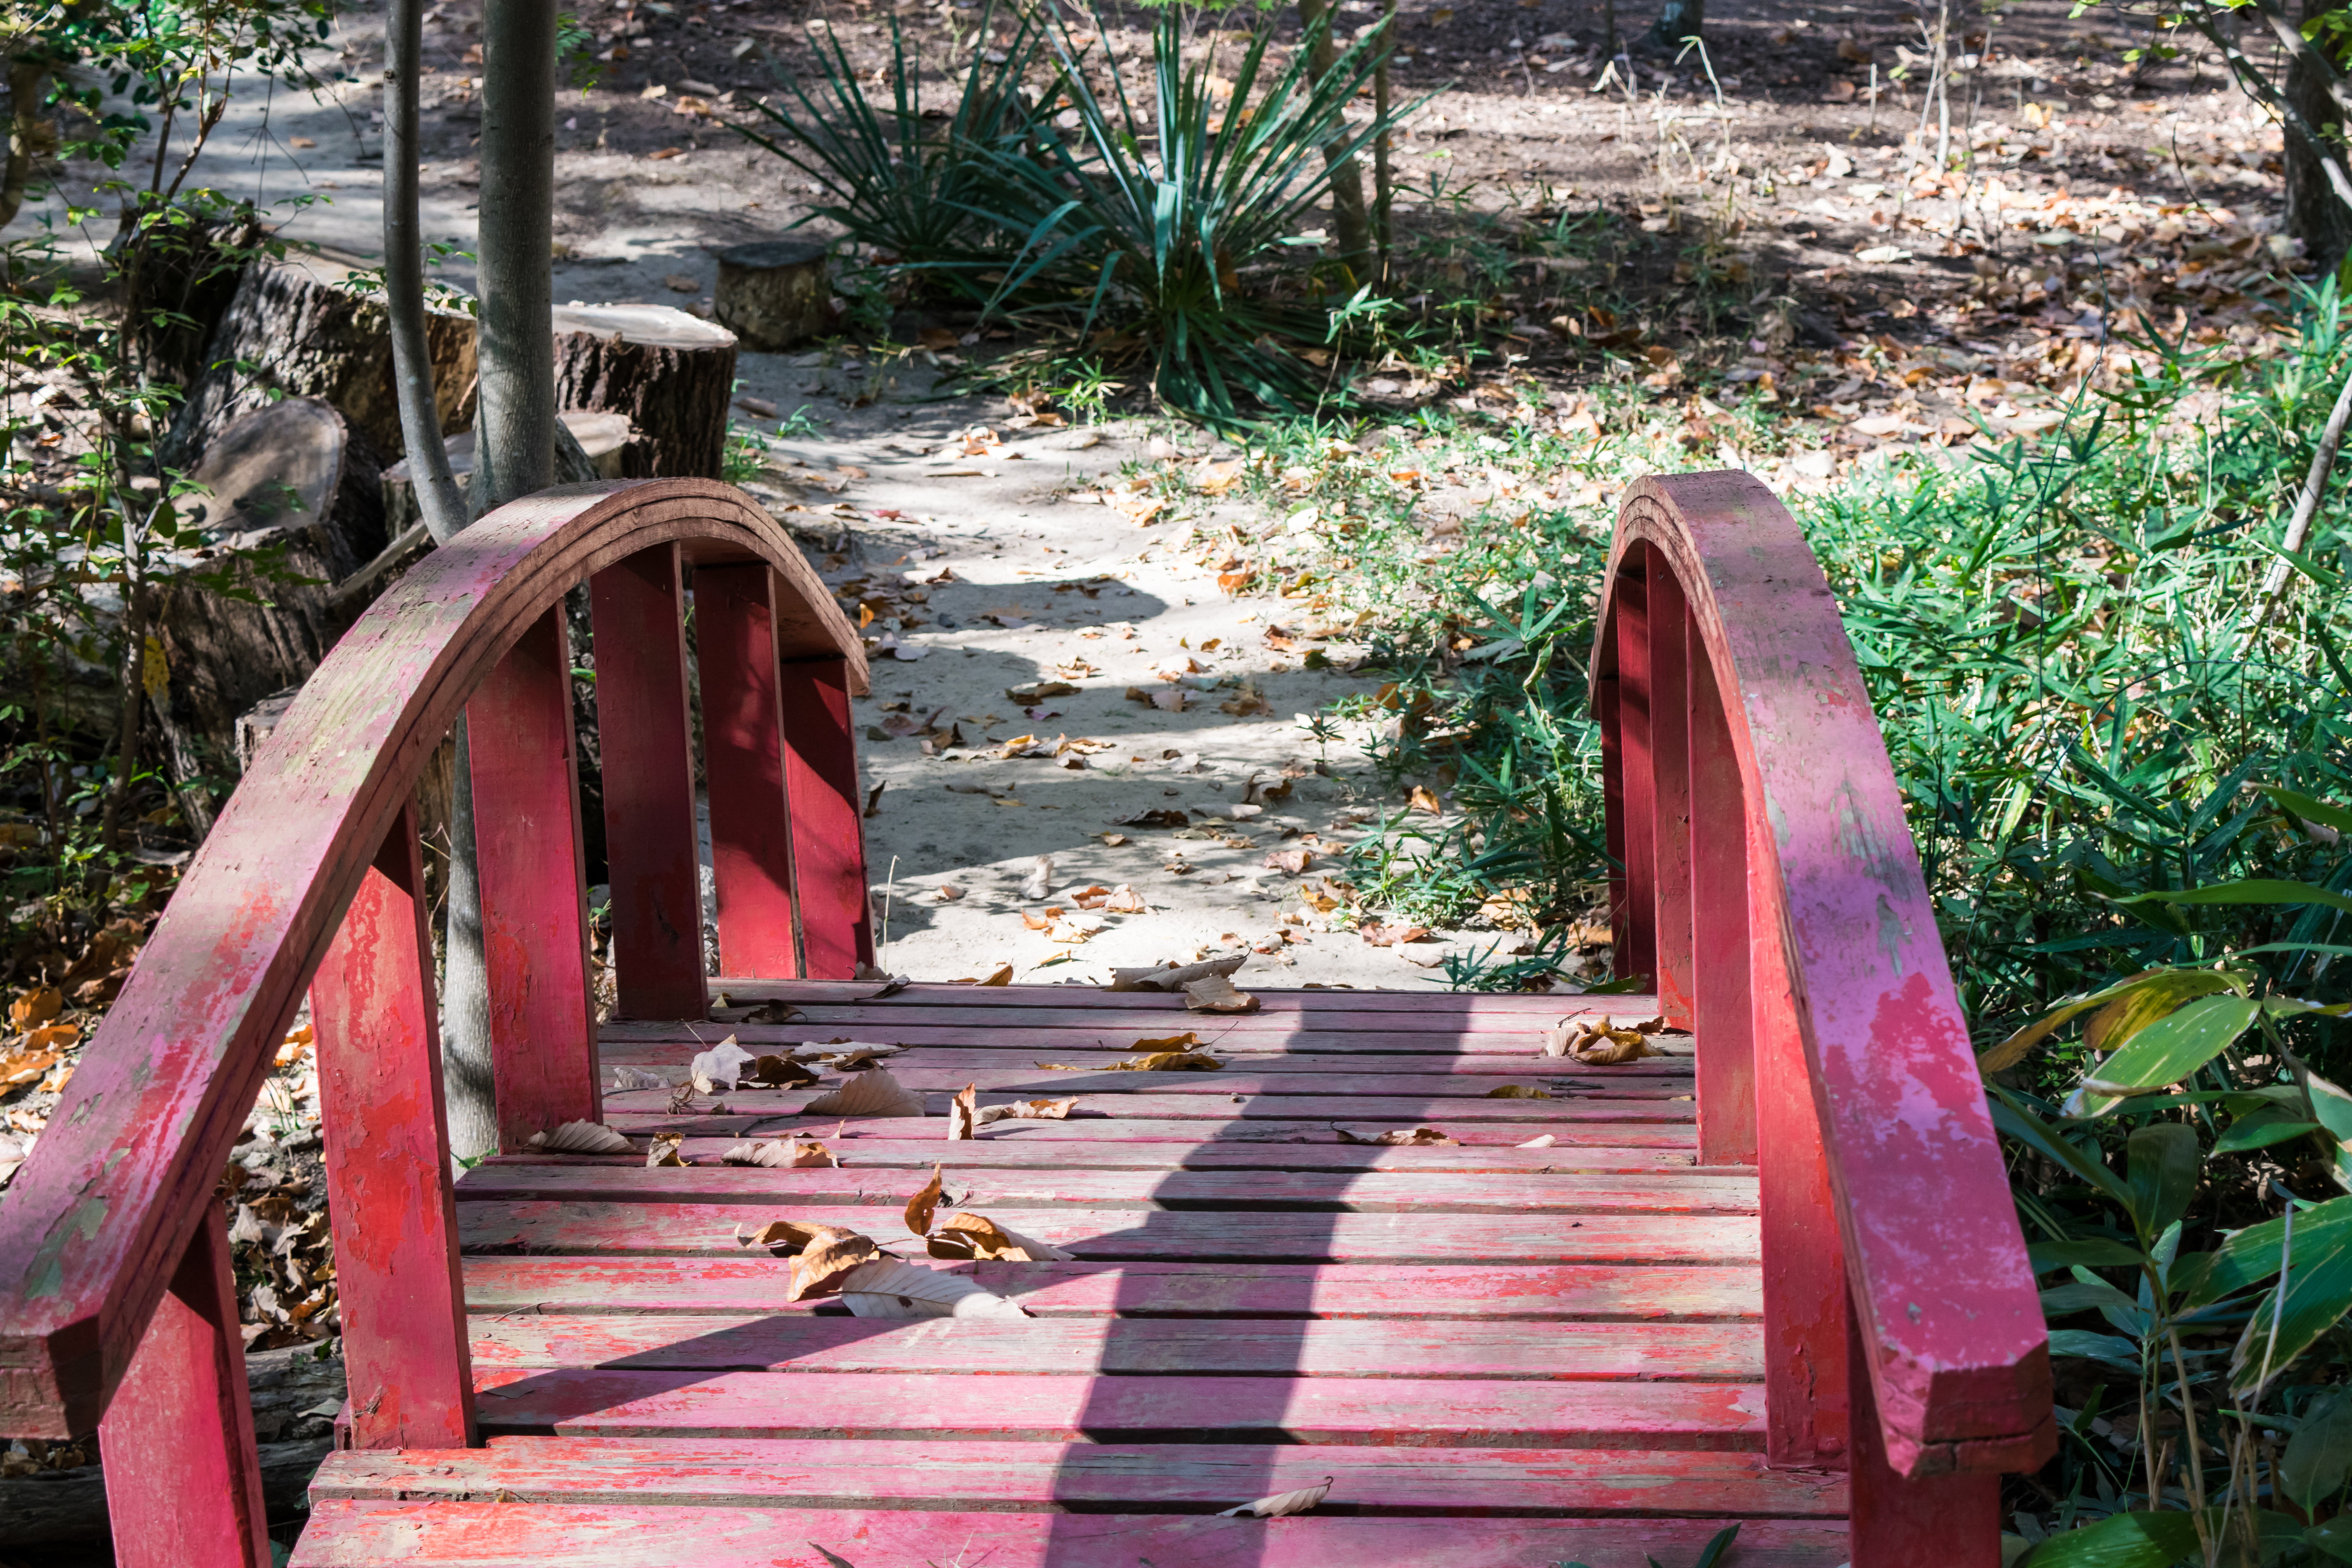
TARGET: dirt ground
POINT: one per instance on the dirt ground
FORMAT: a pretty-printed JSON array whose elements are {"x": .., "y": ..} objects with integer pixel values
[{"x": 994, "y": 561}]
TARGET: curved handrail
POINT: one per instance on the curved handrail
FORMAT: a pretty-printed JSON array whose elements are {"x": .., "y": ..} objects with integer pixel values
[
  {"x": 91, "y": 1228},
  {"x": 1949, "y": 1326}
]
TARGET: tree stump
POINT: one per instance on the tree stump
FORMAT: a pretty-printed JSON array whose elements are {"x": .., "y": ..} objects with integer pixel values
[
  {"x": 304, "y": 334},
  {"x": 291, "y": 483},
  {"x": 605, "y": 438},
  {"x": 669, "y": 374},
  {"x": 775, "y": 293}
]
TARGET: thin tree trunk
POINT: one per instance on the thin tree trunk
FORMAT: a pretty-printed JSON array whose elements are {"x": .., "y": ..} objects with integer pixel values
[
  {"x": 2315, "y": 215},
  {"x": 1383, "y": 182},
  {"x": 1347, "y": 214},
  {"x": 438, "y": 499},
  {"x": 2306, "y": 505},
  {"x": 134, "y": 688},
  {"x": 27, "y": 133}
]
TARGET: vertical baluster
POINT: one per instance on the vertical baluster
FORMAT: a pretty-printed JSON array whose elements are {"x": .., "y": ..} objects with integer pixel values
[
  {"x": 828, "y": 832},
  {"x": 1670, "y": 769},
  {"x": 183, "y": 1476},
  {"x": 1636, "y": 942},
  {"x": 1613, "y": 803},
  {"x": 534, "y": 926},
  {"x": 1805, "y": 1257},
  {"x": 1722, "y": 1024},
  {"x": 1952, "y": 1519},
  {"x": 743, "y": 749},
  {"x": 648, "y": 734},
  {"x": 396, "y": 1272}
]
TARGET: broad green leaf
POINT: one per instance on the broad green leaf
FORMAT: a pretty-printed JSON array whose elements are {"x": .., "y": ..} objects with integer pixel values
[
  {"x": 2094, "y": 1346},
  {"x": 2317, "y": 1292},
  {"x": 2171, "y": 987},
  {"x": 2251, "y": 1255},
  {"x": 2011, "y": 1116},
  {"x": 2318, "y": 1457},
  {"x": 2095, "y": 1253},
  {"x": 2169, "y": 1050},
  {"x": 2261, "y": 1128},
  {"x": 2252, "y": 890},
  {"x": 2064, "y": 1301},
  {"x": 2119, "y": 1541},
  {"x": 2334, "y": 1538},
  {"x": 2309, "y": 809},
  {"x": 2165, "y": 1166}
]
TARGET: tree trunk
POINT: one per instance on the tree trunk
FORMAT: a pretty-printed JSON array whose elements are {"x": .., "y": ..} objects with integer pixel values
[
  {"x": 2314, "y": 214},
  {"x": 1350, "y": 221},
  {"x": 1678, "y": 22},
  {"x": 301, "y": 335},
  {"x": 226, "y": 654},
  {"x": 672, "y": 377},
  {"x": 603, "y": 441},
  {"x": 774, "y": 294}
]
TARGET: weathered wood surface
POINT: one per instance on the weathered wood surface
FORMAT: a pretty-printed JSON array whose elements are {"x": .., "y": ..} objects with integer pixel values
[
  {"x": 478, "y": 1534},
  {"x": 1956, "y": 1344},
  {"x": 983, "y": 1476},
  {"x": 1679, "y": 1136},
  {"x": 755, "y": 1282},
  {"x": 1116, "y": 1233},
  {"x": 1176, "y": 1105},
  {"x": 1413, "y": 1192},
  {"x": 1452, "y": 1412},
  {"x": 1115, "y": 1347},
  {"x": 856, "y": 1149},
  {"x": 1016, "y": 1050},
  {"x": 669, "y": 374},
  {"x": 125, "y": 1174},
  {"x": 1434, "y": 1011},
  {"x": 774, "y": 293}
]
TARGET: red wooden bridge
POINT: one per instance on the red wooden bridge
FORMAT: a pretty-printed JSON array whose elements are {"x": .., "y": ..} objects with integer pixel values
[{"x": 1773, "y": 1280}]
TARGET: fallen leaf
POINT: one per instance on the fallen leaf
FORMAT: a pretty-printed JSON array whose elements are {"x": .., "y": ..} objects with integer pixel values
[
  {"x": 1031, "y": 695},
  {"x": 857, "y": 1058},
  {"x": 821, "y": 1253},
  {"x": 1380, "y": 935},
  {"x": 1545, "y": 1142},
  {"x": 24, "y": 1067},
  {"x": 1174, "y": 1061},
  {"x": 1169, "y": 701},
  {"x": 1040, "y": 880},
  {"x": 888, "y": 1288},
  {"x": 668, "y": 1148},
  {"x": 36, "y": 1006},
  {"x": 923, "y": 1207},
  {"x": 1215, "y": 993},
  {"x": 778, "y": 1072},
  {"x": 1294, "y": 861},
  {"x": 1425, "y": 799},
  {"x": 1124, "y": 901},
  {"x": 582, "y": 1138},
  {"x": 1091, "y": 897},
  {"x": 964, "y": 1119},
  {"x": 720, "y": 1067},
  {"x": 978, "y": 1237},
  {"x": 1395, "y": 1137},
  {"x": 1003, "y": 976},
  {"x": 1185, "y": 1041},
  {"x": 1172, "y": 976},
  {"x": 947, "y": 893},
  {"x": 1516, "y": 1092},
  {"x": 781, "y": 1153},
  {"x": 1153, "y": 817},
  {"x": 1282, "y": 1504},
  {"x": 870, "y": 1093}
]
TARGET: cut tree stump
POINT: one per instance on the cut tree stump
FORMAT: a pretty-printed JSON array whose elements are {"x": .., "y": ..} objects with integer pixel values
[
  {"x": 290, "y": 481},
  {"x": 775, "y": 293},
  {"x": 669, "y": 374},
  {"x": 304, "y": 334},
  {"x": 605, "y": 438}
]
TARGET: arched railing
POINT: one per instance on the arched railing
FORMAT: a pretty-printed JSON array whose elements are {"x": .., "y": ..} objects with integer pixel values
[
  {"x": 117, "y": 1308},
  {"x": 1769, "y": 882}
]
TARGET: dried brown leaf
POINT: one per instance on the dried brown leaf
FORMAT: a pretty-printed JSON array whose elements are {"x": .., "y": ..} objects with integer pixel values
[
  {"x": 1395, "y": 1137},
  {"x": 923, "y": 1207},
  {"x": 976, "y": 1236},
  {"x": 1171, "y": 1061},
  {"x": 1516, "y": 1092},
  {"x": 1215, "y": 993},
  {"x": 1281, "y": 1504},
  {"x": 870, "y": 1093},
  {"x": 667, "y": 1150},
  {"x": 964, "y": 1115},
  {"x": 821, "y": 1253}
]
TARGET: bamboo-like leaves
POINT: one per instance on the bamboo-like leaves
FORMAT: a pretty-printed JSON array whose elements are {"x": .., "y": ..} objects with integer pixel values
[{"x": 2164, "y": 1052}]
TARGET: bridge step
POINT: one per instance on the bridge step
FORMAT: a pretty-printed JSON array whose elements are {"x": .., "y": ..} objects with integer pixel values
[{"x": 1501, "y": 1355}]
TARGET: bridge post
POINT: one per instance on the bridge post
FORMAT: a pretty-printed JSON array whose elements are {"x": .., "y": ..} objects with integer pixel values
[
  {"x": 1897, "y": 1520},
  {"x": 388, "y": 1187},
  {"x": 1668, "y": 618},
  {"x": 534, "y": 924},
  {"x": 1723, "y": 1028},
  {"x": 646, "y": 726},
  {"x": 1635, "y": 920},
  {"x": 743, "y": 760},
  {"x": 828, "y": 829},
  {"x": 183, "y": 1476}
]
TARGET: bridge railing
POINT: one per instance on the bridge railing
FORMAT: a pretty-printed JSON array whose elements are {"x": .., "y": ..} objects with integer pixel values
[
  {"x": 117, "y": 1305},
  {"x": 1769, "y": 882}
]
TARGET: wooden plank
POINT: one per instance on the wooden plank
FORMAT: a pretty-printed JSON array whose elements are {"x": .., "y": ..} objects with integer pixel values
[
  {"x": 1454, "y": 1413},
  {"x": 1910, "y": 1519},
  {"x": 743, "y": 764},
  {"x": 1429, "y": 1193},
  {"x": 1430, "y": 1009},
  {"x": 977, "y": 1475},
  {"x": 981, "y": 1043},
  {"x": 127, "y": 1169},
  {"x": 828, "y": 833},
  {"x": 752, "y": 1282},
  {"x": 534, "y": 923},
  {"x": 489, "y": 1534},
  {"x": 1679, "y": 1137},
  {"x": 955, "y": 1348},
  {"x": 1667, "y": 628},
  {"x": 400, "y": 1302},
  {"x": 1109, "y": 1235},
  {"x": 1119, "y": 1028},
  {"x": 646, "y": 730},
  {"x": 1536, "y": 1115},
  {"x": 1239, "y": 1079},
  {"x": 183, "y": 1480},
  {"x": 1724, "y": 1029},
  {"x": 857, "y": 1150}
]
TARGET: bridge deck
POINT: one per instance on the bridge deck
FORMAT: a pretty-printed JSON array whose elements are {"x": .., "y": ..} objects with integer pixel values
[{"x": 1499, "y": 1355}]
